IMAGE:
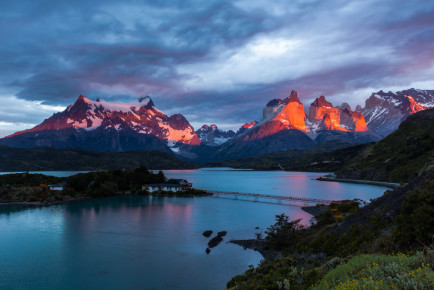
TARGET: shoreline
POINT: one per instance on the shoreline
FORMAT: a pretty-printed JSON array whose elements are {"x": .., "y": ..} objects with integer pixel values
[
  {"x": 258, "y": 246},
  {"x": 359, "y": 181},
  {"x": 178, "y": 195},
  {"x": 34, "y": 204},
  {"x": 314, "y": 210}
]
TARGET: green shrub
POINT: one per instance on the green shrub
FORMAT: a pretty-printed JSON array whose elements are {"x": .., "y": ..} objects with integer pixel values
[
  {"x": 283, "y": 233},
  {"x": 380, "y": 272}
]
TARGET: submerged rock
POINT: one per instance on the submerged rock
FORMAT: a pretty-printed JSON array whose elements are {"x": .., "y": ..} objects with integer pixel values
[
  {"x": 215, "y": 241},
  {"x": 207, "y": 233},
  {"x": 222, "y": 233}
]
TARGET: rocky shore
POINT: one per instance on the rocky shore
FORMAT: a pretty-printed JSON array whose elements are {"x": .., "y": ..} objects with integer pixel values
[{"x": 259, "y": 245}]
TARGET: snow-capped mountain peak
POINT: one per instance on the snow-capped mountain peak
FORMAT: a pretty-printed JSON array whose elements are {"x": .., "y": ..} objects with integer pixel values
[
  {"x": 214, "y": 136},
  {"x": 140, "y": 116},
  {"x": 385, "y": 111}
]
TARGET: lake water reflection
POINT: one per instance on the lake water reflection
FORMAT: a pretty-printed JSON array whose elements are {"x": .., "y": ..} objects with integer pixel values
[
  {"x": 136, "y": 242},
  {"x": 301, "y": 184}
]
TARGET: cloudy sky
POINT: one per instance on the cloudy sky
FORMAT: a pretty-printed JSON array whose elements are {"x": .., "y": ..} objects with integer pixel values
[{"x": 214, "y": 61}]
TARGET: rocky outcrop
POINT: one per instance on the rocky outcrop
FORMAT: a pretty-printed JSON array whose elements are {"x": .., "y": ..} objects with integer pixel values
[
  {"x": 207, "y": 233},
  {"x": 214, "y": 242}
]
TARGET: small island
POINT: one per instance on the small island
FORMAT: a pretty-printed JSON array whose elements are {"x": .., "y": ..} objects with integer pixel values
[{"x": 29, "y": 189}]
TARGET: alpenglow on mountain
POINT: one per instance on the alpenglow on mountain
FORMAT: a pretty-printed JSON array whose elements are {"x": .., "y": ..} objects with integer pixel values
[
  {"x": 285, "y": 125},
  {"x": 101, "y": 125}
]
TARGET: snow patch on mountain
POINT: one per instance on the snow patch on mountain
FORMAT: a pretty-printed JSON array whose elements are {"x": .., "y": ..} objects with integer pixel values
[{"x": 214, "y": 136}]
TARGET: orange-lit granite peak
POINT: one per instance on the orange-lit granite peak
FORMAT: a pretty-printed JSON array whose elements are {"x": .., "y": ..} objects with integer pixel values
[
  {"x": 293, "y": 113},
  {"x": 288, "y": 113},
  {"x": 322, "y": 102},
  {"x": 279, "y": 115},
  {"x": 320, "y": 107},
  {"x": 352, "y": 121},
  {"x": 323, "y": 116},
  {"x": 248, "y": 125},
  {"x": 359, "y": 122},
  {"x": 413, "y": 106}
]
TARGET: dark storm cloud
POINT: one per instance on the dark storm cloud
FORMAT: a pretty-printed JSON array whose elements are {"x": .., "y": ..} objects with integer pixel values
[
  {"x": 84, "y": 44},
  {"x": 213, "y": 61}
]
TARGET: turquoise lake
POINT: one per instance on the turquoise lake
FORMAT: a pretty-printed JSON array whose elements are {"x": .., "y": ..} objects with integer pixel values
[{"x": 136, "y": 242}]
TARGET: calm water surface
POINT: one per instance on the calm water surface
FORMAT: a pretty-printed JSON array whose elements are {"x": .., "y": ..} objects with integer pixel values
[
  {"x": 301, "y": 184},
  {"x": 134, "y": 242}
]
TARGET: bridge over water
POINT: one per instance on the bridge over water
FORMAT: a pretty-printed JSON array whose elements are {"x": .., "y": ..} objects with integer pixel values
[{"x": 279, "y": 199}]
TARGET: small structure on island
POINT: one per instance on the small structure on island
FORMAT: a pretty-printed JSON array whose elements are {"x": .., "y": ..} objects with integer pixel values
[
  {"x": 181, "y": 182},
  {"x": 164, "y": 187},
  {"x": 173, "y": 185},
  {"x": 57, "y": 186}
]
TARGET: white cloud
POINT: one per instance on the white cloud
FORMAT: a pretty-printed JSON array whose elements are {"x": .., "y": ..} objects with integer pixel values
[
  {"x": 17, "y": 114},
  {"x": 274, "y": 58}
]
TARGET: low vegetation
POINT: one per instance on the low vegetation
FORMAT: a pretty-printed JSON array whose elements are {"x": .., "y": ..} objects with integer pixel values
[
  {"x": 398, "y": 271},
  {"x": 371, "y": 271}
]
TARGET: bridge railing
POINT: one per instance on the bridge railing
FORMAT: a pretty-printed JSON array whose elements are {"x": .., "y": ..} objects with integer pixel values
[{"x": 279, "y": 197}]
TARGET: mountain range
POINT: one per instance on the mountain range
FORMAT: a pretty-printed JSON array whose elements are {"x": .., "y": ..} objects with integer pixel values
[
  {"x": 385, "y": 111},
  {"x": 119, "y": 127},
  {"x": 285, "y": 126}
]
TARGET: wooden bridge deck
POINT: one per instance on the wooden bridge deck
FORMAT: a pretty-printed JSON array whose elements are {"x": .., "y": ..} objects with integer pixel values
[{"x": 275, "y": 197}]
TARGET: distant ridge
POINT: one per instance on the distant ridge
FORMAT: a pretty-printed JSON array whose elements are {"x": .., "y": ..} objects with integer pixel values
[{"x": 43, "y": 159}]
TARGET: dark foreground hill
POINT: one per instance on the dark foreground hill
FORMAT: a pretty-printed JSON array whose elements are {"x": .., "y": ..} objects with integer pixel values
[
  {"x": 403, "y": 155},
  {"x": 39, "y": 159}
]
